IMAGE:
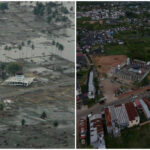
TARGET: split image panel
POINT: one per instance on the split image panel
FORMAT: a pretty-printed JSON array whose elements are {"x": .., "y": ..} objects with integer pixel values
[
  {"x": 113, "y": 65},
  {"x": 37, "y": 55}
]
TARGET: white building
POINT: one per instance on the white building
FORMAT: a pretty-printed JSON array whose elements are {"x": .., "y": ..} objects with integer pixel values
[
  {"x": 91, "y": 87},
  {"x": 19, "y": 80}
]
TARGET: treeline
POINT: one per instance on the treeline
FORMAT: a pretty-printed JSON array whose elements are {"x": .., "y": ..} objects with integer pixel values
[
  {"x": 3, "y": 6},
  {"x": 52, "y": 11}
]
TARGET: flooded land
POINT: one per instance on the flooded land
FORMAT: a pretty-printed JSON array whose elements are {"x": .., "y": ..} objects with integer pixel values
[{"x": 40, "y": 115}]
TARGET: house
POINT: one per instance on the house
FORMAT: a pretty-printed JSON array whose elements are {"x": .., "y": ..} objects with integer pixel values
[
  {"x": 96, "y": 131},
  {"x": 133, "y": 116}
]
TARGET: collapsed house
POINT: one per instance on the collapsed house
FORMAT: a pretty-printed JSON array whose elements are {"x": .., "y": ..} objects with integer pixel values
[
  {"x": 96, "y": 131},
  {"x": 121, "y": 116},
  {"x": 19, "y": 80},
  {"x": 132, "y": 70}
]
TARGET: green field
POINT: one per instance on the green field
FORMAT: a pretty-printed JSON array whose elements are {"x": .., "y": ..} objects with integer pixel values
[
  {"x": 136, "y": 137},
  {"x": 136, "y": 46}
]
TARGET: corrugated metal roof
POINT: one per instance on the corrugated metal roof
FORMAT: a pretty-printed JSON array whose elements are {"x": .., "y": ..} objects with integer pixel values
[
  {"x": 146, "y": 110},
  {"x": 121, "y": 113}
]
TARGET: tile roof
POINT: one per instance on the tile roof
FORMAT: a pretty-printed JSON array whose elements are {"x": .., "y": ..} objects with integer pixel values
[{"x": 131, "y": 110}]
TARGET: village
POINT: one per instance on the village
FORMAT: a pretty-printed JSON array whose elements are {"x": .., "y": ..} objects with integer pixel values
[
  {"x": 113, "y": 82},
  {"x": 36, "y": 75}
]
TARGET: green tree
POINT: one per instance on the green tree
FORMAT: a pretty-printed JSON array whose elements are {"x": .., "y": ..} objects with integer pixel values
[
  {"x": 23, "y": 122},
  {"x": 13, "y": 68},
  {"x": 39, "y": 9},
  {"x": 1, "y": 107},
  {"x": 3, "y": 66},
  {"x": 32, "y": 46},
  {"x": 3, "y": 6},
  {"x": 55, "y": 123},
  {"x": 43, "y": 115},
  {"x": 28, "y": 42}
]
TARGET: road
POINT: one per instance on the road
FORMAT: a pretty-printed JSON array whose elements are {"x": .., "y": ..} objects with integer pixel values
[{"x": 97, "y": 108}]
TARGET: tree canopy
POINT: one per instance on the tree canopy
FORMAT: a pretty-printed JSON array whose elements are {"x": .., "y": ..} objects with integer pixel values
[
  {"x": 13, "y": 68},
  {"x": 3, "y": 6}
]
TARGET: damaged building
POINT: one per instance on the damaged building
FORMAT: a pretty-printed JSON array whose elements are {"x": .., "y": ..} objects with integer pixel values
[{"x": 96, "y": 131}]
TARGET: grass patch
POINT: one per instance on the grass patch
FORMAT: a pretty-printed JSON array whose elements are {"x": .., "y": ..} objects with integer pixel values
[
  {"x": 115, "y": 49},
  {"x": 136, "y": 137},
  {"x": 82, "y": 76}
]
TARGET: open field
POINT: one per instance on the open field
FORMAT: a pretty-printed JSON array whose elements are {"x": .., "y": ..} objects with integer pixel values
[
  {"x": 105, "y": 63},
  {"x": 37, "y": 132},
  {"x": 52, "y": 93}
]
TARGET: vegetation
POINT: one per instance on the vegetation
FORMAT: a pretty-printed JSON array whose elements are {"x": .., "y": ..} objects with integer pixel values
[
  {"x": 91, "y": 102},
  {"x": 82, "y": 78},
  {"x": 136, "y": 137},
  {"x": 3, "y": 66},
  {"x": 44, "y": 115},
  {"x": 14, "y": 67},
  {"x": 51, "y": 11},
  {"x": 137, "y": 46},
  {"x": 3, "y": 6},
  {"x": 144, "y": 82},
  {"x": 23, "y": 122},
  {"x": 1, "y": 107},
  {"x": 39, "y": 9},
  {"x": 55, "y": 124}
]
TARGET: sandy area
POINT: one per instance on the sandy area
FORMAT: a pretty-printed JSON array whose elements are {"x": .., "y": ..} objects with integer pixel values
[
  {"x": 107, "y": 62},
  {"x": 108, "y": 90}
]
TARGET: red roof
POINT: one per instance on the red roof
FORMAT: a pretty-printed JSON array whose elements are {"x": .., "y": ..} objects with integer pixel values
[
  {"x": 108, "y": 117},
  {"x": 131, "y": 110}
]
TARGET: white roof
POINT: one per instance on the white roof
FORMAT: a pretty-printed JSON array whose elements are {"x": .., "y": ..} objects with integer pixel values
[
  {"x": 91, "y": 84},
  {"x": 27, "y": 80}
]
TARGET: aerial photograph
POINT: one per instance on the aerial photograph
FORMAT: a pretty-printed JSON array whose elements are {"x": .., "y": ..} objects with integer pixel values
[
  {"x": 37, "y": 77},
  {"x": 113, "y": 75}
]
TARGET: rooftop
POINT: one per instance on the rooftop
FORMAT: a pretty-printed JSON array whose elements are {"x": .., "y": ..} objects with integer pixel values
[{"x": 131, "y": 110}]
